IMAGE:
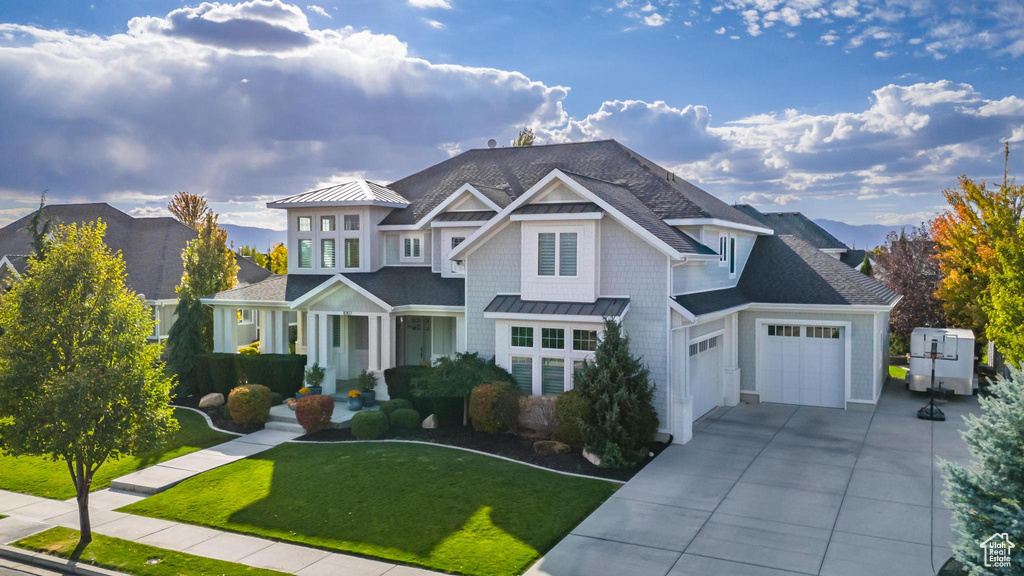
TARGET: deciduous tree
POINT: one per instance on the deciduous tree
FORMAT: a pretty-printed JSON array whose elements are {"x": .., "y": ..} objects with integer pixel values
[
  {"x": 209, "y": 268},
  {"x": 906, "y": 264},
  {"x": 278, "y": 259},
  {"x": 525, "y": 138},
  {"x": 190, "y": 209},
  {"x": 79, "y": 381}
]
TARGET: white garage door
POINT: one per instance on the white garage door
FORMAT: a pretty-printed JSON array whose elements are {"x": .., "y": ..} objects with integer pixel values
[
  {"x": 705, "y": 357},
  {"x": 803, "y": 365}
]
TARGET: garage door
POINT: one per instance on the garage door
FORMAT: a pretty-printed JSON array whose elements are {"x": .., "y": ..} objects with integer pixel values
[
  {"x": 803, "y": 365},
  {"x": 705, "y": 358}
]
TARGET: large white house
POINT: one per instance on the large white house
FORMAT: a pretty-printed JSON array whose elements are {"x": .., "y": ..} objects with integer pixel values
[{"x": 520, "y": 253}]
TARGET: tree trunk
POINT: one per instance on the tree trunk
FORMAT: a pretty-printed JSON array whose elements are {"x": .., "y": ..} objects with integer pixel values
[{"x": 82, "y": 482}]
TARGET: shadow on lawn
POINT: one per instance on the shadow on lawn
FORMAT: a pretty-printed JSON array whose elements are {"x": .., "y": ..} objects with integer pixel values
[{"x": 458, "y": 509}]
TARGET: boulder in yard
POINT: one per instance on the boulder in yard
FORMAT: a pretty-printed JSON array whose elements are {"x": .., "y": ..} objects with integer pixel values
[
  {"x": 592, "y": 458},
  {"x": 551, "y": 447},
  {"x": 211, "y": 400},
  {"x": 430, "y": 422}
]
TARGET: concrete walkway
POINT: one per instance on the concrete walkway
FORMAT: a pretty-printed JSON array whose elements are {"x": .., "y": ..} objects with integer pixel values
[
  {"x": 773, "y": 490},
  {"x": 162, "y": 476},
  {"x": 29, "y": 515}
]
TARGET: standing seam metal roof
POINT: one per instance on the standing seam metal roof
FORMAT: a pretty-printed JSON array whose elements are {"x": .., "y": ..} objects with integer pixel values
[{"x": 357, "y": 190}]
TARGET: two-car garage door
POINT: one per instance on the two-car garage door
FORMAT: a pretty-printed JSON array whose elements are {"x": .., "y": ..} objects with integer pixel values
[{"x": 803, "y": 365}]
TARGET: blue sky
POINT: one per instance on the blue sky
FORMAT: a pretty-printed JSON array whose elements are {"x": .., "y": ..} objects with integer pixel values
[{"x": 855, "y": 110}]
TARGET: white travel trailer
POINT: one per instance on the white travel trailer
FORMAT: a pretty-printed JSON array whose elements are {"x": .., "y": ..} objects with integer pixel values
[{"x": 954, "y": 365}]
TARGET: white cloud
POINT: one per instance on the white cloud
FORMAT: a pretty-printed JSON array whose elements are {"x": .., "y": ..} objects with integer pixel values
[
  {"x": 882, "y": 54},
  {"x": 648, "y": 8},
  {"x": 655, "y": 20},
  {"x": 720, "y": 30},
  {"x": 434, "y": 24},
  {"x": 162, "y": 107},
  {"x": 907, "y": 218},
  {"x": 318, "y": 10},
  {"x": 426, "y": 4},
  {"x": 829, "y": 38},
  {"x": 762, "y": 199}
]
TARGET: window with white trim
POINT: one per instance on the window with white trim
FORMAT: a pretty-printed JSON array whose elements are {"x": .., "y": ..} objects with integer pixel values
[
  {"x": 831, "y": 332},
  {"x": 327, "y": 223},
  {"x": 351, "y": 252},
  {"x": 584, "y": 340},
  {"x": 305, "y": 224},
  {"x": 732, "y": 256},
  {"x": 781, "y": 330},
  {"x": 557, "y": 253},
  {"x": 552, "y": 376},
  {"x": 458, "y": 266},
  {"x": 351, "y": 222},
  {"x": 577, "y": 365},
  {"x": 522, "y": 336},
  {"x": 412, "y": 247},
  {"x": 704, "y": 345},
  {"x": 552, "y": 338},
  {"x": 723, "y": 249},
  {"x": 305, "y": 253},
  {"x": 522, "y": 373},
  {"x": 245, "y": 316},
  {"x": 327, "y": 255}
]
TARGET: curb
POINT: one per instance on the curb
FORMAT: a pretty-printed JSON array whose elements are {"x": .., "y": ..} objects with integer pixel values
[{"x": 53, "y": 563}]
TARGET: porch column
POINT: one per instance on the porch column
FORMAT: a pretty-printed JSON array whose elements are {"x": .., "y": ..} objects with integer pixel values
[
  {"x": 280, "y": 333},
  {"x": 266, "y": 334},
  {"x": 322, "y": 340},
  {"x": 374, "y": 337},
  {"x": 300, "y": 332},
  {"x": 230, "y": 330},
  {"x": 218, "y": 330},
  {"x": 731, "y": 382},
  {"x": 460, "y": 334},
  {"x": 387, "y": 342},
  {"x": 682, "y": 399},
  {"x": 311, "y": 347}
]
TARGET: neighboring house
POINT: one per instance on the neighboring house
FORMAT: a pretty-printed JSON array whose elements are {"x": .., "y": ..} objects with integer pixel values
[
  {"x": 520, "y": 253},
  {"x": 151, "y": 248},
  {"x": 796, "y": 224}
]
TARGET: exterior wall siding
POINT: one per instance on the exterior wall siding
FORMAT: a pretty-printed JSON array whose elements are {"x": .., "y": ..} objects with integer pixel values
[
  {"x": 579, "y": 288},
  {"x": 491, "y": 269},
  {"x": 862, "y": 347},
  {"x": 632, "y": 267},
  {"x": 700, "y": 276},
  {"x": 560, "y": 193},
  {"x": 706, "y": 328},
  {"x": 393, "y": 249},
  {"x": 345, "y": 299}
]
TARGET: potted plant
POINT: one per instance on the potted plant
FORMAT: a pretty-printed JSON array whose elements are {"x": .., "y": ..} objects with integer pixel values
[
  {"x": 368, "y": 385},
  {"x": 314, "y": 378},
  {"x": 355, "y": 400},
  {"x": 303, "y": 392}
]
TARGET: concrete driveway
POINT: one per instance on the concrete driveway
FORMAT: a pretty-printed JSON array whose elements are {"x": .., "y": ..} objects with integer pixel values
[{"x": 773, "y": 489}]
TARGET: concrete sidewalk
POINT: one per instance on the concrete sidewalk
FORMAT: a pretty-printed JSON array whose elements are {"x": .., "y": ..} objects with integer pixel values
[
  {"x": 773, "y": 489},
  {"x": 162, "y": 476},
  {"x": 29, "y": 515}
]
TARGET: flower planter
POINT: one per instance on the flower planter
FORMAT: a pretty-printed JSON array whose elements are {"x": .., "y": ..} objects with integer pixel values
[
  {"x": 369, "y": 398},
  {"x": 355, "y": 404},
  {"x": 315, "y": 390},
  {"x": 301, "y": 395}
]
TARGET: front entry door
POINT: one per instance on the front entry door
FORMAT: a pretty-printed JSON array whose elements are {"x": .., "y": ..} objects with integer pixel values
[{"x": 415, "y": 334}]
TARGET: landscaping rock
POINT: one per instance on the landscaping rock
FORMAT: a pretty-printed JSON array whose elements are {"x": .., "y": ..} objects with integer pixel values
[
  {"x": 551, "y": 447},
  {"x": 211, "y": 400},
  {"x": 592, "y": 458},
  {"x": 430, "y": 422}
]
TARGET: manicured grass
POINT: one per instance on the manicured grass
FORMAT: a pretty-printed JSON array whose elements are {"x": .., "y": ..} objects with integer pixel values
[
  {"x": 41, "y": 477},
  {"x": 898, "y": 372},
  {"x": 132, "y": 558},
  {"x": 437, "y": 507}
]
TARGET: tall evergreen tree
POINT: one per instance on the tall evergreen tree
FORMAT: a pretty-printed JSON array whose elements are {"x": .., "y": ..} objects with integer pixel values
[
  {"x": 38, "y": 227},
  {"x": 525, "y": 138},
  {"x": 185, "y": 341},
  {"x": 865, "y": 266},
  {"x": 622, "y": 421}
]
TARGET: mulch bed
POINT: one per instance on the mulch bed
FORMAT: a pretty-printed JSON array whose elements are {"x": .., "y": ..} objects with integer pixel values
[
  {"x": 507, "y": 445},
  {"x": 220, "y": 416}
]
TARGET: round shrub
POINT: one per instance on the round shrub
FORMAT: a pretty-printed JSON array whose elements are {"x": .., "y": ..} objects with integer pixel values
[
  {"x": 396, "y": 404},
  {"x": 369, "y": 425},
  {"x": 249, "y": 405},
  {"x": 276, "y": 399},
  {"x": 314, "y": 412},
  {"x": 483, "y": 408},
  {"x": 405, "y": 419},
  {"x": 570, "y": 410}
]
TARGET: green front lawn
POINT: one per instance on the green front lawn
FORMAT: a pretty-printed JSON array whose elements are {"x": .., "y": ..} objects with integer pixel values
[
  {"x": 132, "y": 558},
  {"x": 437, "y": 507},
  {"x": 41, "y": 477}
]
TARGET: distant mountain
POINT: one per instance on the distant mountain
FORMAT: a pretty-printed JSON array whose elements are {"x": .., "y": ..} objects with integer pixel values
[
  {"x": 863, "y": 236},
  {"x": 262, "y": 238}
]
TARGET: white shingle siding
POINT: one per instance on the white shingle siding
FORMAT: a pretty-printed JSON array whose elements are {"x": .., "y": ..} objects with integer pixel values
[
  {"x": 493, "y": 268},
  {"x": 469, "y": 203},
  {"x": 632, "y": 267},
  {"x": 700, "y": 276},
  {"x": 347, "y": 299},
  {"x": 445, "y": 246},
  {"x": 862, "y": 347},
  {"x": 393, "y": 249},
  {"x": 561, "y": 193}
]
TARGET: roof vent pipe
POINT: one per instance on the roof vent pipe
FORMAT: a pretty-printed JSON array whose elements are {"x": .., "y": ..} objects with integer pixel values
[{"x": 492, "y": 143}]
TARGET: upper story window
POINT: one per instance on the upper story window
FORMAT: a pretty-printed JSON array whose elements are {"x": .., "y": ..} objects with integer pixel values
[
  {"x": 411, "y": 247},
  {"x": 327, "y": 255},
  {"x": 351, "y": 252},
  {"x": 458, "y": 266},
  {"x": 732, "y": 256},
  {"x": 522, "y": 336},
  {"x": 723, "y": 249},
  {"x": 305, "y": 224},
  {"x": 552, "y": 338},
  {"x": 584, "y": 340},
  {"x": 327, "y": 224},
  {"x": 305, "y": 253},
  {"x": 556, "y": 252},
  {"x": 352, "y": 222}
]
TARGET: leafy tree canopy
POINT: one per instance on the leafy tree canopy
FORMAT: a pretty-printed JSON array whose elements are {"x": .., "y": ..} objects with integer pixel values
[
  {"x": 209, "y": 268},
  {"x": 525, "y": 138},
  {"x": 190, "y": 209},
  {"x": 906, "y": 264}
]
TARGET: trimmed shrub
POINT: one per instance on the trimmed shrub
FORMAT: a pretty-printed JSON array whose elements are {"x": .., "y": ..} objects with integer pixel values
[
  {"x": 399, "y": 383},
  {"x": 369, "y": 425},
  {"x": 390, "y": 406},
  {"x": 314, "y": 412},
  {"x": 204, "y": 380},
  {"x": 282, "y": 373},
  {"x": 249, "y": 405},
  {"x": 448, "y": 410},
  {"x": 456, "y": 376},
  {"x": 571, "y": 409},
  {"x": 483, "y": 408},
  {"x": 276, "y": 399},
  {"x": 507, "y": 408},
  {"x": 404, "y": 419},
  {"x": 223, "y": 372}
]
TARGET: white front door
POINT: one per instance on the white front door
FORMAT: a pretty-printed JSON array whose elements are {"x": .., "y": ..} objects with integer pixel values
[
  {"x": 803, "y": 365},
  {"x": 705, "y": 358}
]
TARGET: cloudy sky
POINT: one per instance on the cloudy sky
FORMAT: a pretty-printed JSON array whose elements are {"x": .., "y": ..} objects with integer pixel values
[{"x": 855, "y": 110}]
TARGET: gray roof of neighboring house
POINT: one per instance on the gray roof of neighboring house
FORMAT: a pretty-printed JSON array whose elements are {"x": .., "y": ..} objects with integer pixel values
[
  {"x": 512, "y": 171},
  {"x": 354, "y": 192},
  {"x": 559, "y": 208},
  {"x": 514, "y": 304},
  {"x": 396, "y": 285},
  {"x": 795, "y": 224},
  {"x": 713, "y": 301},
  {"x": 476, "y": 216},
  {"x": 151, "y": 247},
  {"x": 853, "y": 257}
]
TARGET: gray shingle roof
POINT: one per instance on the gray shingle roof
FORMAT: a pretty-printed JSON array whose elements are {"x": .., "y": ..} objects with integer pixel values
[
  {"x": 795, "y": 224},
  {"x": 713, "y": 301},
  {"x": 787, "y": 270},
  {"x": 514, "y": 170},
  {"x": 151, "y": 247},
  {"x": 514, "y": 304},
  {"x": 853, "y": 257},
  {"x": 478, "y": 216},
  {"x": 396, "y": 285},
  {"x": 558, "y": 208}
]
